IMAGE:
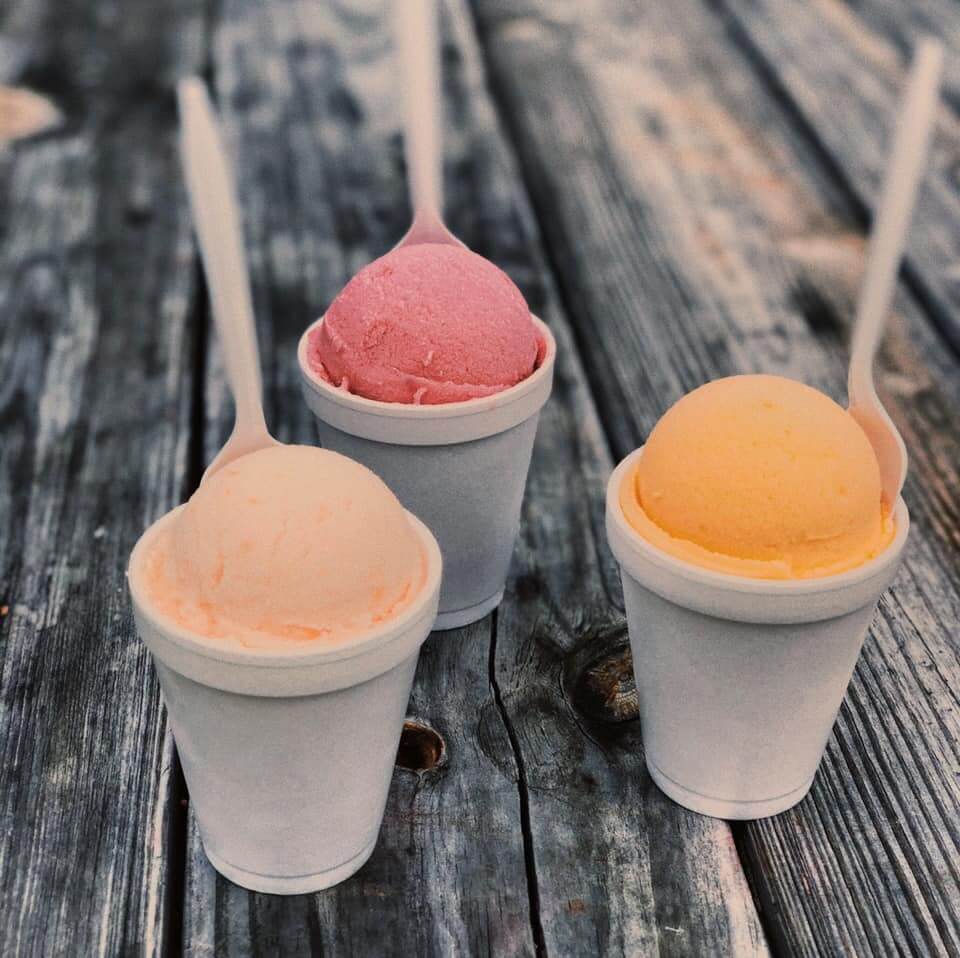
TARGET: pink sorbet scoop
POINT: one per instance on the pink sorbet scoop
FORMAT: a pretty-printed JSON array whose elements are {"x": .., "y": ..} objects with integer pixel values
[{"x": 430, "y": 323}]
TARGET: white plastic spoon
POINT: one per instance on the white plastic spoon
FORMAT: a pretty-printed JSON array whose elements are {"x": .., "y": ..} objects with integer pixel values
[
  {"x": 889, "y": 235},
  {"x": 217, "y": 222},
  {"x": 417, "y": 42}
]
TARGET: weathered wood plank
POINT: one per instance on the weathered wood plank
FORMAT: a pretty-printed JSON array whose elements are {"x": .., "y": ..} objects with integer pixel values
[
  {"x": 842, "y": 82},
  {"x": 308, "y": 101},
  {"x": 696, "y": 233},
  {"x": 96, "y": 376},
  {"x": 619, "y": 868},
  {"x": 901, "y": 24},
  {"x": 313, "y": 119}
]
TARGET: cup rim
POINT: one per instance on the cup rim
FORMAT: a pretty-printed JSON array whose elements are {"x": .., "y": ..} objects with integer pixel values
[
  {"x": 460, "y": 409},
  {"x": 228, "y": 651},
  {"x": 747, "y": 585}
]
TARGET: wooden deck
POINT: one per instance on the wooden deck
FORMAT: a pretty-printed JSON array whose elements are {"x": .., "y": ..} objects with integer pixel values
[{"x": 681, "y": 190}]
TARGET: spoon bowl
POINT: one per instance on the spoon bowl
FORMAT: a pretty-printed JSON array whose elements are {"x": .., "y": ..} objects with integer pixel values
[{"x": 429, "y": 228}]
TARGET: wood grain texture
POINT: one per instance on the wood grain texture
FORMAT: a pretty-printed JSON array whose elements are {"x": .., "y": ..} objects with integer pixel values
[
  {"x": 619, "y": 869},
  {"x": 900, "y": 25},
  {"x": 841, "y": 80},
  {"x": 695, "y": 232},
  {"x": 96, "y": 376},
  {"x": 308, "y": 102},
  {"x": 696, "y": 211},
  {"x": 541, "y": 833}
]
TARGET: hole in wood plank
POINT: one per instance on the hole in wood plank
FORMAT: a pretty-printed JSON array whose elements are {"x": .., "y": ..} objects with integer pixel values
[
  {"x": 598, "y": 679},
  {"x": 421, "y": 747}
]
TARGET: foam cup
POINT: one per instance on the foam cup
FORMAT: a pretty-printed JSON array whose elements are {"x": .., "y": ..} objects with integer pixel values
[
  {"x": 739, "y": 679},
  {"x": 287, "y": 753},
  {"x": 461, "y": 467}
]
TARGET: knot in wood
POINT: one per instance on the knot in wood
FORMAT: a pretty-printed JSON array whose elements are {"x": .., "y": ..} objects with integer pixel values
[{"x": 598, "y": 679}]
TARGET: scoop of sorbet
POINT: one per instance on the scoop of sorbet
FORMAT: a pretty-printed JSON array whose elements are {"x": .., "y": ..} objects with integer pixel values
[
  {"x": 428, "y": 324},
  {"x": 290, "y": 542},
  {"x": 760, "y": 476}
]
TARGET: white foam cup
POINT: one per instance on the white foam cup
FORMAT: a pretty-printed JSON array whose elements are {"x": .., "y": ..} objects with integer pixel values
[
  {"x": 287, "y": 753},
  {"x": 461, "y": 467},
  {"x": 739, "y": 679}
]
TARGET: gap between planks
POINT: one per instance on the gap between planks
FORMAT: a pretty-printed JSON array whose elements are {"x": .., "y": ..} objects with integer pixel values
[
  {"x": 529, "y": 854},
  {"x": 199, "y": 319}
]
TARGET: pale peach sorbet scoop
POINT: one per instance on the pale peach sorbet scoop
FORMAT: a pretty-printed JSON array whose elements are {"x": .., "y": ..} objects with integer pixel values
[
  {"x": 428, "y": 323},
  {"x": 760, "y": 476},
  {"x": 287, "y": 543}
]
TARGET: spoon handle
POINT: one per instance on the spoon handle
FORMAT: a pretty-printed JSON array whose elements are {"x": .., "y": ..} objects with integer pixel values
[
  {"x": 415, "y": 29},
  {"x": 907, "y": 160},
  {"x": 217, "y": 222}
]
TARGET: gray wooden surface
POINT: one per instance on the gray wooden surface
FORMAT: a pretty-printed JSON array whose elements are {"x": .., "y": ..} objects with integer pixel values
[
  {"x": 97, "y": 278},
  {"x": 681, "y": 191},
  {"x": 743, "y": 252}
]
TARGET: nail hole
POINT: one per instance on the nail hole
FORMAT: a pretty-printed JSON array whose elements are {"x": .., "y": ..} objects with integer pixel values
[{"x": 421, "y": 747}]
